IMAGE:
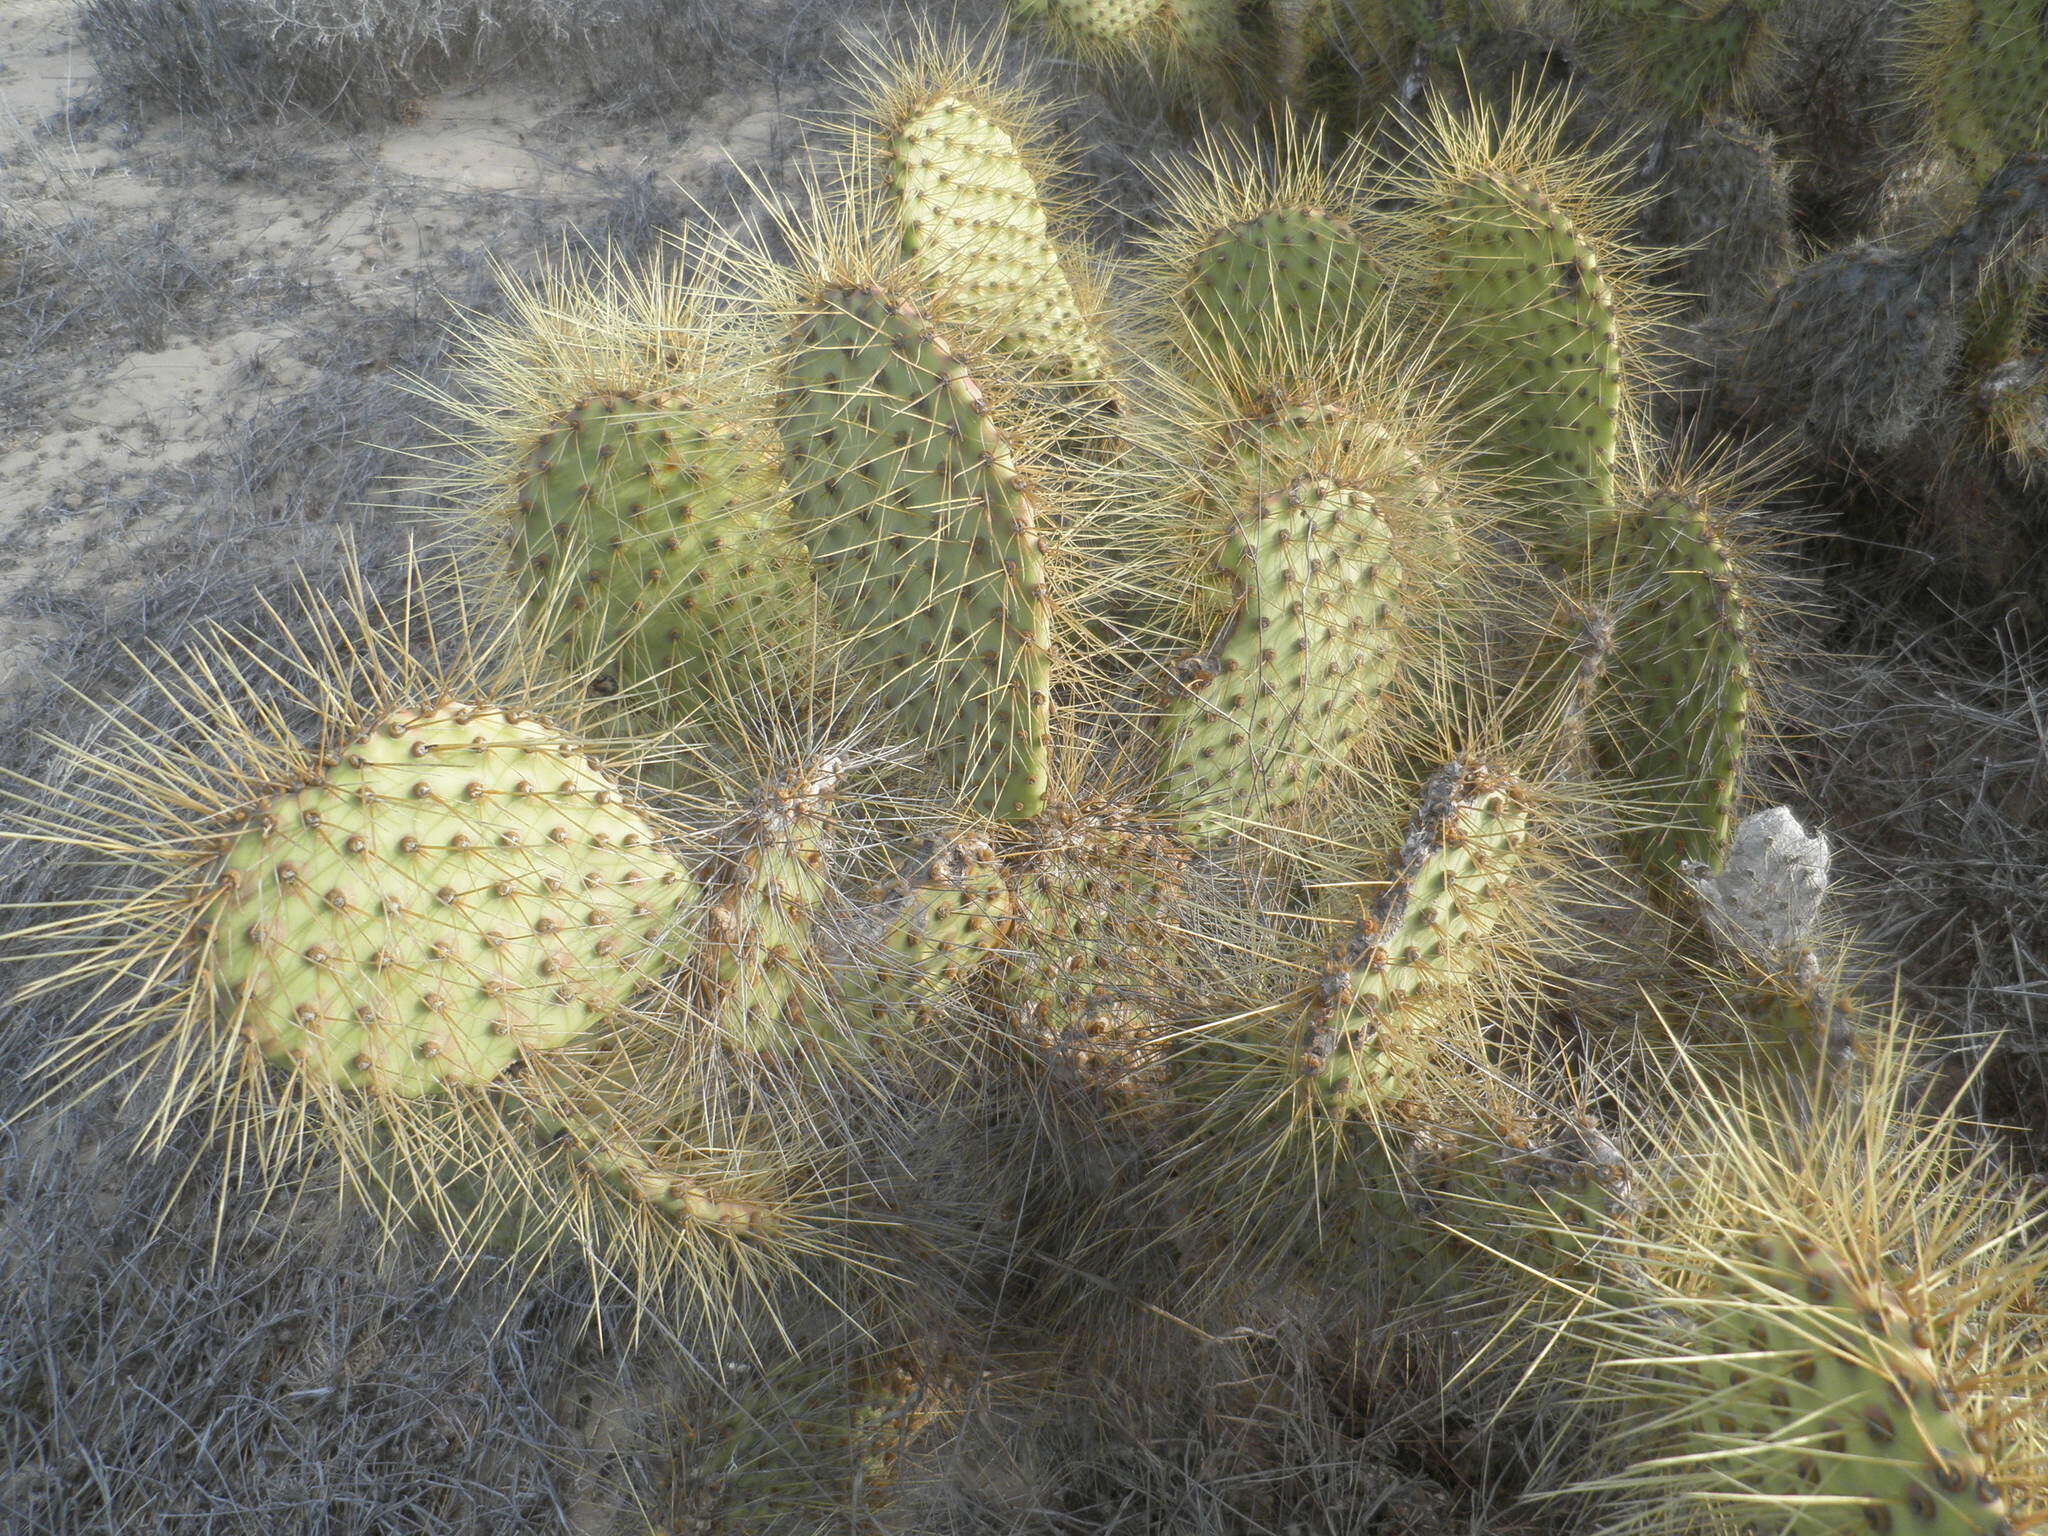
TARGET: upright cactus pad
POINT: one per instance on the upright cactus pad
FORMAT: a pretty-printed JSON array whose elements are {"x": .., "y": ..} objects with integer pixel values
[
  {"x": 1262, "y": 268},
  {"x": 460, "y": 887},
  {"x": 1275, "y": 292},
  {"x": 1096, "y": 24},
  {"x": 1293, "y": 677},
  {"x": 1377, "y": 1014},
  {"x": 1978, "y": 72},
  {"x": 761, "y": 978},
  {"x": 1528, "y": 311},
  {"x": 974, "y": 225},
  {"x": 1683, "y": 676},
  {"x": 950, "y": 914},
  {"x": 926, "y": 541},
  {"x": 649, "y": 544}
]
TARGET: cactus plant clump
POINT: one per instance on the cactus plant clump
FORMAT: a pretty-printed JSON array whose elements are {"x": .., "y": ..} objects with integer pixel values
[{"x": 1141, "y": 801}]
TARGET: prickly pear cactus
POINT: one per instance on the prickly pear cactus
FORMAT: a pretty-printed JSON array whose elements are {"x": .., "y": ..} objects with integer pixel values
[{"x": 460, "y": 888}]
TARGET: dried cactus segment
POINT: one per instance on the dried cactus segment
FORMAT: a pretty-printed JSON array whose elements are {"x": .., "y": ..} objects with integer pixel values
[
  {"x": 650, "y": 549},
  {"x": 760, "y": 976},
  {"x": 1111, "y": 1049},
  {"x": 1291, "y": 681},
  {"x": 1682, "y": 674},
  {"x": 461, "y": 887},
  {"x": 1484, "y": 1188},
  {"x": 812, "y": 1441},
  {"x": 1685, "y": 58},
  {"x": 958, "y": 160},
  {"x": 925, "y": 539},
  {"x": 1387, "y": 990},
  {"x": 1727, "y": 201},
  {"x": 950, "y": 915}
]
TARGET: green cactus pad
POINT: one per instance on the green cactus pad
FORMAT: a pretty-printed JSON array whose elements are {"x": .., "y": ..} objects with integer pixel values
[
  {"x": 925, "y": 540},
  {"x": 648, "y": 547},
  {"x": 1096, "y": 891},
  {"x": 1827, "y": 1404},
  {"x": 1099, "y": 23},
  {"x": 1273, "y": 297},
  {"x": 459, "y": 887},
  {"x": 950, "y": 915},
  {"x": 1292, "y": 680},
  {"x": 1373, "y": 1019},
  {"x": 760, "y": 975},
  {"x": 1682, "y": 676},
  {"x": 1685, "y": 58},
  {"x": 1528, "y": 312},
  {"x": 973, "y": 225},
  {"x": 1979, "y": 73}
]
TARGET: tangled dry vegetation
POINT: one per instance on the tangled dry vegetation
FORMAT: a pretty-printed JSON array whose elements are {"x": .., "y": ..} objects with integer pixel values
[{"x": 1010, "y": 1150}]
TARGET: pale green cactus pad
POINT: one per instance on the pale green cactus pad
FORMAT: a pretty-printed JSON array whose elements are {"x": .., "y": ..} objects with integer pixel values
[
  {"x": 459, "y": 887},
  {"x": 1828, "y": 1405},
  {"x": 1528, "y": 311},
  {"x": 1273, "y": 298},
  {"x": 760, "y": 976},
  {"x": 1380, "y": 1007},
  {"x": 1683, "y": 678},
  {"x": 649, "y": 549},
  {"x": 974, "y": 225},
  {"x": 1291, "y": 681},
  {"x": 926, "y": 542}
]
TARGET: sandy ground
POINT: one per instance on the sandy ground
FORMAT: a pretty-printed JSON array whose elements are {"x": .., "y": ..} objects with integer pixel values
[{"x": 181, "y": 284}]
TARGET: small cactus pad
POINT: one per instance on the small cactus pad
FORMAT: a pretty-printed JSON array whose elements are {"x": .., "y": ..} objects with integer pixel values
[
  {"x": 951, "y": 913},
  {"x": 1273, "y": 297},
  {"x": 1684, "y": 677},
  {"x": 1376, "y": 1014},
  {"x": 973, "y": 225},
  {"x": 1529, "y": 314},
  {"x": 1097, "y": 896},
  {"x": 460, "y": 886},
  {"x": 926, "y": 540},
  {"x": 761, "y": 979},
  {"x": 1294, "y": 676},
  {"x": 1827, "y": 1403},
  {"x": 647, "y": 546}
]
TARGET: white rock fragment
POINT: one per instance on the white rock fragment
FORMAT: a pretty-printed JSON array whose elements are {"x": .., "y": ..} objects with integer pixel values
[{"x": 1765, "y": 902}]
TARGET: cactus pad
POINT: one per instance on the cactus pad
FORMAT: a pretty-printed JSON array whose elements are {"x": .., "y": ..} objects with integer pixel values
[
  {"x": 647, "y": 546},
  {"x": 1294, "y": 676},
  {"x": 1529, "y": 313},
  {"x": 1826, "y": 1398},
  {"x": 1375, "y": 1016},
  {"x": 973, "y": 224},
  {"x": 1270, "y": 298},
  {"x": 926, "y": 540},
  {"x": 459, "y": 887},
  {"x": 1684, "y": 675}
]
